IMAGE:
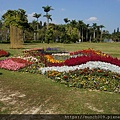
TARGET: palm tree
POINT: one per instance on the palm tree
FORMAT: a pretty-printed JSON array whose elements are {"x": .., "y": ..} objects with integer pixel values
[
  {"x": 98, "y": 32},
  {"x": 48, "y": 16},
  {"x": 91, "y": 30},
  {"x": 37, "y": 16},
  {"x": 73, "y": 23},
  {"x": 101, "y": 26},
  {"x": 66, "y": 20},
  {"x": 81, "y": 26},
  {"x": 47, "y": 9},
  {"x": 87, "y": 30},
  {"x": 94, "y": 28}
]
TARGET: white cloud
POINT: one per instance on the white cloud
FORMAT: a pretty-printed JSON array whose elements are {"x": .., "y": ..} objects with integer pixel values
[
  {"x": 30, "y": 17},
  {"x": 62, "y": 9},
  {"x": 91, "y": 19}
]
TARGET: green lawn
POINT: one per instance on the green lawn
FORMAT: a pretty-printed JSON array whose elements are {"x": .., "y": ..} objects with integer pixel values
[
  {"x": 109, "y": 48},
  {"x": 43, "y": 95}
]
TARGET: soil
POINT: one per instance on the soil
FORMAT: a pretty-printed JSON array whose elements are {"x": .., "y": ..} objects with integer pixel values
[{"x": 14, "y": 102}]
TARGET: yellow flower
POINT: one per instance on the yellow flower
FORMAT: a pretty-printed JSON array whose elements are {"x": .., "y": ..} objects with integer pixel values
[
  {"x": 105, "y": 89},
  {"x": 51, "y": 59}
]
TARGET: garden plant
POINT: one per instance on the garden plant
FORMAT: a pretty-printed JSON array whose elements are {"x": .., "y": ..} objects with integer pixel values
[{"x": 88, "y": 68}]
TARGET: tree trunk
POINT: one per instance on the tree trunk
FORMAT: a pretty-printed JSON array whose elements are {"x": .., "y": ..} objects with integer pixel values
[
  {"x": 82, "y": 35},
  {"x": 101, "y": 36},
  {"x": 37, "y": 29},
  {"x": 16, "y": 37}
]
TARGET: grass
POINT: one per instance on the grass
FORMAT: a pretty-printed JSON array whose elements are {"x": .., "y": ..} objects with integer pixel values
[
  {"x": 55, "y": 97},
  {"x": 109, "y": 48}
]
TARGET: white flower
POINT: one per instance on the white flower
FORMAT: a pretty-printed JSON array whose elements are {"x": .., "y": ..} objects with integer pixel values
[
  {"x": 29, "y": 58},
  {"x": 90, "y": 64},
  {"x": 61, "y": 54}
]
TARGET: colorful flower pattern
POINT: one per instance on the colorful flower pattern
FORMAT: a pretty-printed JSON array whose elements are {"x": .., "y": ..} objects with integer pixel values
[{"x": 88, "y": 68}]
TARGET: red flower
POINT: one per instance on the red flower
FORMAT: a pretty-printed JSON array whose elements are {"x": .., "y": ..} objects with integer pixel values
[{"x": 3, "y": 53}]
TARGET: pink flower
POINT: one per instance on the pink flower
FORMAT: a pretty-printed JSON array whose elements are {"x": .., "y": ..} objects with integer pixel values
[{"x": 13, "y": 64}]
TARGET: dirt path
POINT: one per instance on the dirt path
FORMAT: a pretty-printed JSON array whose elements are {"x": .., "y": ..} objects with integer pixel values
[{"x": 15, "y": 103}]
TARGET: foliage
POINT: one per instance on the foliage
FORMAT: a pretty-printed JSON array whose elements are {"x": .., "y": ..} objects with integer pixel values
[
  {"x": 16, "y": 18},
  {"x": 71, "y": 35},
  {"x": 70, "y": 32},
  {"x": 98, "y": 79},
  {"x": 48, "y": 16},
  {"x": 16, "y": 21},
  {"x": 49, "y": 35}
]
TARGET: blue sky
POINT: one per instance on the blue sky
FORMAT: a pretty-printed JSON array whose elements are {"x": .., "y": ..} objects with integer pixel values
[{"x": 105, "y": 12}]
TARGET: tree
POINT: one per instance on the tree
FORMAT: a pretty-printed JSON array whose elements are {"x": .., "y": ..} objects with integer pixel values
[
  {"x": 74, "y": 35},
  {"x": 47, "y": 9},
  {"x": 66, "y": 20},
  {"x": 87, "y": 30},
  {"x": 91, "y": 30},
  {"x": 1, "y": 30},
  {"x": 48, "y": 16},
  {"x": 37, "y": 16},
  {"x": 17, "y": 21},
  {"x": 33, "y": 26},
  {"x": 106, "y": 34},
  {"x": 118, "y": 29},
  {"x": 49, "y": 35},
  {"x": 73, "y": 24},
  {"x": 101, "y": 26},
  {"x": 94, "y": 28},
  {"x": 81, "y": 26}
]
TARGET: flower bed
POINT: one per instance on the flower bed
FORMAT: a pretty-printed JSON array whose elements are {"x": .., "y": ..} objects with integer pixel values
[
  {"x": 88, "y": 52},
  {"x": 95, "y": 78},
  {"x": 14, "y": 63},
  {"x": 54, "y": 50},
  {"x": 90, "y": 64},
  {"x": 3, "y": 53},
  {"x": 82, "y": 69},
  {"x": 86, "y": 69}
]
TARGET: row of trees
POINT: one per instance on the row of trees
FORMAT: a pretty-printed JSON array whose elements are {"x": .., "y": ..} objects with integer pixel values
[{"x": 14, "y": 27}]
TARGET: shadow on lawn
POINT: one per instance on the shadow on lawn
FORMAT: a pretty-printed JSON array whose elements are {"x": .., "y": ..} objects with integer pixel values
[{"x": 0, "y": 73}]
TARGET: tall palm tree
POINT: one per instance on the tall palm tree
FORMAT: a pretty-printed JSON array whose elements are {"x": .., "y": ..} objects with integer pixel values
[
  {"x": 48, "y": 16},
  {"x": 98, "y": 33},
  {"x": 94, "y": 27},
  {"x": 73, "y": 23},
  {"x": 37, "y": 16},
  {"x": 91, "y": 30},
  {"x": 87, "y": 30},
  {"x": 47, "y": 9},
  {"x": 81, "y": 26},
  {"x": 101, "y": 26}
]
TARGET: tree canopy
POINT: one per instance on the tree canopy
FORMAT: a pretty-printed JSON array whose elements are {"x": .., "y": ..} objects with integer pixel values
[
  {"x": 71, "y": 31},
  {"x": 16, "y": 18}
]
